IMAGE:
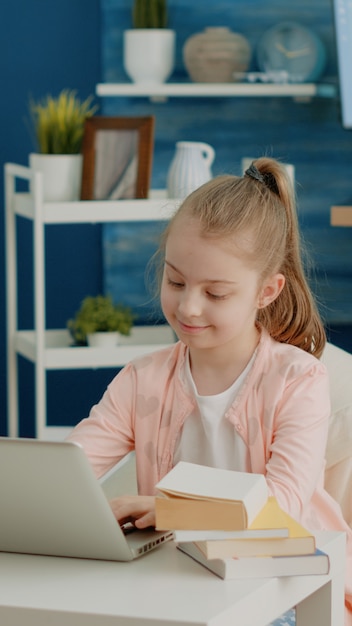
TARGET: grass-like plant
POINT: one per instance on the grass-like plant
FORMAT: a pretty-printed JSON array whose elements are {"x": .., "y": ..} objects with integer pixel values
[
  {"x": 100, "y": 314},
  {"x": 58, "y": 123},
  {"x": 149, "y": 13}
]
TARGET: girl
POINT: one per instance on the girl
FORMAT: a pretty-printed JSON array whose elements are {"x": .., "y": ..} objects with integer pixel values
[{"x": 243, "y": 388}]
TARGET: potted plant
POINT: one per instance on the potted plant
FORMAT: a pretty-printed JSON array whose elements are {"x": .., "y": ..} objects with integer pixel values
[
  {"x": 149, "y": 47},
  {"x": 58, "y": 127},
  {"x": 100, "y": 322}
]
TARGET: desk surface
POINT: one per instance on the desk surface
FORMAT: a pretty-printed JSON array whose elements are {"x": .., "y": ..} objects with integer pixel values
[{"x": 164, "y": 587}]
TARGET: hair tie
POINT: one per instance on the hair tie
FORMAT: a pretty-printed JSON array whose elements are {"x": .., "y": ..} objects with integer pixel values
[
  {"x": 267, "y": 179},
  {"x": 253, "y": 172}
]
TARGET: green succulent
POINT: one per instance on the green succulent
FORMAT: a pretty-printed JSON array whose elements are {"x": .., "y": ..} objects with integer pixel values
[
  {"x": 58, "y": 123},
  {"x": 100, "y": 314},
  {"x": 149, "y": 13}
]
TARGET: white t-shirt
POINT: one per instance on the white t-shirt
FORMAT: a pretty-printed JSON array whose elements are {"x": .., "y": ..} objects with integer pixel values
[{"x": 207, "y": 437}]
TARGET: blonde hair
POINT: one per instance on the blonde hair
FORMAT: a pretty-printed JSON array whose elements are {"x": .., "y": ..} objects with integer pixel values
[{"x": 264, "y": 208}]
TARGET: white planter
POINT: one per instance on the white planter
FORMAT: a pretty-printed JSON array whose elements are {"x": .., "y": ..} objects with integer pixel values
[
  {"x": 103, "y": 340},
  {"x": 62, "y": 175},
  {"x": 149, "y": 54}
]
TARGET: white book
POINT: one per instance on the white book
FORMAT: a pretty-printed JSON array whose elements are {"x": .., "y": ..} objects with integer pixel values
[
  {"x": 261, "y": 567},
  {"x": 219, "y": 488}
]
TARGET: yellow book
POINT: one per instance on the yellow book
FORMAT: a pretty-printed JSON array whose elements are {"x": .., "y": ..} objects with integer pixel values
[
  {"x": 299, "y": 541},
  {"x": 271, "y": 522}
]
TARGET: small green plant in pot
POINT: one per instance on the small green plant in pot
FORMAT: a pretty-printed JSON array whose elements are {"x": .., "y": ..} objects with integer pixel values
[
  {"x": 99, "y": 314},
  {"x": 58, "y": 129}
]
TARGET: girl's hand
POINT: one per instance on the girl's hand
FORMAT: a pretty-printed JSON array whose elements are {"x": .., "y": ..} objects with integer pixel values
[{"x": 140, "y": 510}]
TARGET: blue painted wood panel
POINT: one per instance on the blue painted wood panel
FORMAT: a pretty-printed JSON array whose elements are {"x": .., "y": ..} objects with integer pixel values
[{"x": 307, "y": 134}]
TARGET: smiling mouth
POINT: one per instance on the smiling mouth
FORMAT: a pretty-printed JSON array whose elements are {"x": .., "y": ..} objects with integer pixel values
[{"x": 191, "y": 329}]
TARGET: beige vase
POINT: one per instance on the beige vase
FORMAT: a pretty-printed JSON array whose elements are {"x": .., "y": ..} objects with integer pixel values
[
  {"x": 62, "y": 175},
  {"x": 216, "y": 55}
]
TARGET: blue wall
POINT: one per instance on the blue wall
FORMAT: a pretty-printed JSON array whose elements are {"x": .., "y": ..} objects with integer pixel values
[
  {"x": 309, "y": 135},
  {"x": 46, "y": 46}
]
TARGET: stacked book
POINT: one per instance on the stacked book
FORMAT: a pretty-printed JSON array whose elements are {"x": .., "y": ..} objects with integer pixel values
[{"x": 227, "y": 521}]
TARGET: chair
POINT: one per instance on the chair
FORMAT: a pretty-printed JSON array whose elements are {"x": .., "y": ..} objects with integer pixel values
[{"x": 338, "y": 471}]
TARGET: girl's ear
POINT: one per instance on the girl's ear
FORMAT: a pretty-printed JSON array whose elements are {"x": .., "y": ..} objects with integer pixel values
[{"x": 270, "y": 290}]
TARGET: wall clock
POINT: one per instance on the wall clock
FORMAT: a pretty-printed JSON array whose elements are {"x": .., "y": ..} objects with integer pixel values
[{"x": 292, "y": 48}]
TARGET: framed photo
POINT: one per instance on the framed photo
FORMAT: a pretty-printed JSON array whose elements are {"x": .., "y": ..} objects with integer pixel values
[{"x": 117, "y": 157}]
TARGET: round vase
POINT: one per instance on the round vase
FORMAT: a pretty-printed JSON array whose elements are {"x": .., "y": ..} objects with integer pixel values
[
  {"x": 62, "y": 175},
  {"x": 216, "y": 55},
  {"x": 190, "y": 168},
  {"x": 149, "y": 54}
]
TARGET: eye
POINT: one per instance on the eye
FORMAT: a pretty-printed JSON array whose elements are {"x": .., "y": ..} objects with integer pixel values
[
  {"x": 214, "y": 296},
  {"x": 174, "y": 284}
]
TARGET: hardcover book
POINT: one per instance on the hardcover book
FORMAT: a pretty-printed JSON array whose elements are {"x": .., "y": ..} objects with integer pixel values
[
  {"x": 197, "y": 497},
  {"x": 261, "y": 567},
  {"x": 270, "y": 522},
  {"x": 300, "y": 541}
]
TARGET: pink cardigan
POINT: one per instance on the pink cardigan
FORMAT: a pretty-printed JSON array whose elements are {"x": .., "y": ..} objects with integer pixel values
[{"x": 281, "y": 412}]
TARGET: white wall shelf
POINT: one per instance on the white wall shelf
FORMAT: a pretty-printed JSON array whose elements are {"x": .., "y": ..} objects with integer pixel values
[
  {"x": 341, "y": 216},
  {"x": 51, "y": 349},
  {"x": 59, "y": 353},
  {"x": 93, "y": 211},
  {"x": 216, "y": 90}
]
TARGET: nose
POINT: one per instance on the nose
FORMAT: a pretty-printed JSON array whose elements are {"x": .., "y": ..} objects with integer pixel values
[{"x": 190, "y": 303}]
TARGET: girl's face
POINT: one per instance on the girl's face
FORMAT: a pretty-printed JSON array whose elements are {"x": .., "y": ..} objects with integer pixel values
[{"x": 209, "y": 294}]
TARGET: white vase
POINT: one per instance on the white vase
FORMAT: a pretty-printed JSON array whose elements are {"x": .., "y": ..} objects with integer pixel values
[
  {"x": 103, "y": 339},
  {"x": 190, "y": 168},
  {"x": 62, "y": 175},
  {"x": 149, "y": 54},
  {"x": 216, "y": 55}
]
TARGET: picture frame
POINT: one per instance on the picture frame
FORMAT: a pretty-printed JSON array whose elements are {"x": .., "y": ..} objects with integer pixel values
[{"x": 117, "y": 157}]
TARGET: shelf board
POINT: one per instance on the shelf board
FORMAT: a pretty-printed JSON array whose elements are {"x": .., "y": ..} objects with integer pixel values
[
  {"x": 341, "y": 216},
  {"x": 166, "y": 90},
  {"x": 60, "y": 354},
  {"x": 95, "y": 211}
]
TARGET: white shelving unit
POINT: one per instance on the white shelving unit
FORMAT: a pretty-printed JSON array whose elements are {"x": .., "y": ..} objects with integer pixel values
[
  {"x": 51, "y": 349},
  {"x": 300, "y": 91}
]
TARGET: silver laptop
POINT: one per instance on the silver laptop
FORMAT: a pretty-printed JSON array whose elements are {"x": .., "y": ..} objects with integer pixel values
[{"x": 52, "y": 504}]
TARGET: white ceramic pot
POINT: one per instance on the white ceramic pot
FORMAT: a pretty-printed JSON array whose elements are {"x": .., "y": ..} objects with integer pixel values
[
  {"x": 62, "y": 175},
  {"x": 149, "y": 54},
  {"x": 190, "y": 168},
  {"x": 103, "y": 340},
  {"x": 216, "y": 55}
]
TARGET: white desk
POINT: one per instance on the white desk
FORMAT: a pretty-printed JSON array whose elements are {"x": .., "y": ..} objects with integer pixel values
[{"x": 163, "y": 588}]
